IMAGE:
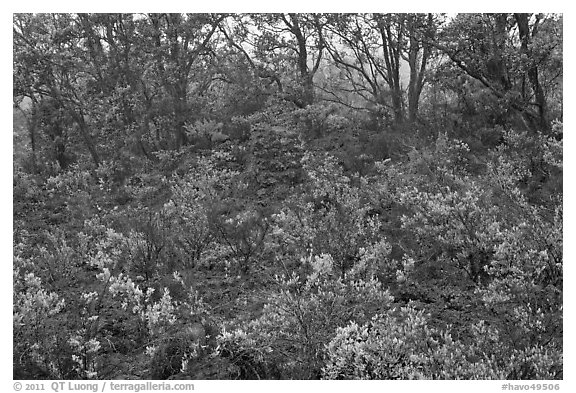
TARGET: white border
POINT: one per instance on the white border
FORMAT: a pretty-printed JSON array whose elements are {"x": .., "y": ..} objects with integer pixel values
[{"x": 300, "y": 6}]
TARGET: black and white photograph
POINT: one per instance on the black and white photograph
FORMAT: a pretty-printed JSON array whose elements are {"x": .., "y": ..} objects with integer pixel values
[{"x": 287, "y": 196}]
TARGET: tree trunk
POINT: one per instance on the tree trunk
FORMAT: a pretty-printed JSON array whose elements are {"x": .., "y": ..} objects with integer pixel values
[
  {"x": 85, "y": 134},
  {"x": 397, "y": 106},
  {"x": 391, "y": 51},
  {"x": 539, "y": 97},
  {"x": 306, "y": 76},
  {"x": 32, "y": 124},
  {"x": 413, "y": 100},
  {"x": 308, "y": 85},
  {"x": 417, "y": 65}
]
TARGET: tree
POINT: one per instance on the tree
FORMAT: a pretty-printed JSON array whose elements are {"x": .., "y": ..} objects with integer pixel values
[
  {"x": 286, "y": 48},
  {"x": 420, "y": 28},
  {"x": 372, "y": 50},
  {"x": 505, "y": 54},
  {"x": 526, "y": 34},
  {"x": 48, "y": 63},
  {"x": 179, "y": 43},
  {"x": 117, "y": 50}
]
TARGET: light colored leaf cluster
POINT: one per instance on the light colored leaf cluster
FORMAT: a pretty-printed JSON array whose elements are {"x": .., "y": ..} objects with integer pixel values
[{"x": 302, "y": 316}]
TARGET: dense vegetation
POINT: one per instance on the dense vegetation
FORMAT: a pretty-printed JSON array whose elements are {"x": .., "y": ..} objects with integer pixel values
[{"x": 287, "y": 196}]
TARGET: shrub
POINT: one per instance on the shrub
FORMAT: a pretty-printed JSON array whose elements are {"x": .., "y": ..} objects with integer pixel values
[
  {"x": 36, "y": 328},
  {"x": 401, "y": 345},
  {"x": 509, "y": 247},
  {"x": 330, "y": 218},
  {"x": 300, "y": 318},
  {"x": 244, "y": 234},
  {"x": 318, "y": 120}
]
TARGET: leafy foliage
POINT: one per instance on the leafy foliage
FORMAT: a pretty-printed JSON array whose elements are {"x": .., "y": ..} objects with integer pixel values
[
  {"x": 300, "y": 318},
  {"x": 400, "y": 345},
  {"x": 252, "y": 196}
]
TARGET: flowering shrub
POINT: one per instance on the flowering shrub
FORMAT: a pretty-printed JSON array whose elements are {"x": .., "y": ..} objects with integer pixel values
[
  {"x": 330, "y": 218},
  {"x": 187, "y": 215},
  {"x": 99, "y": 246},
  {"x": 84, "y": 342},
  {"x": 401, "y": 345},
  {"x": 65, "y": 329},
  {"x": 204, "y": 210},
  {"x": 508, "y": 248},
  {"x": 75, "y": 335},
  {"x": 526, "y": 267},
  {"x": 455, "y": 238},
  {"x": 34, "y": 322},
  {"x": 174, "y": 330},
  {"x": 300, "y": 319},
  {"x": 71, "y": 181},
  {"x": 158, "y": 316}
]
